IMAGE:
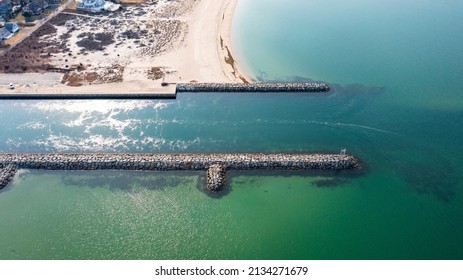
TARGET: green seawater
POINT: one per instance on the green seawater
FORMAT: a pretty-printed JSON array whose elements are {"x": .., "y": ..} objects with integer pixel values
[
  {"x": 136, "y": 215},
  {"x": 397, "y": 105}
]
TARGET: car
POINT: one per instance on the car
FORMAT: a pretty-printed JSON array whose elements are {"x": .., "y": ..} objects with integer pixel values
[{"x": 11, "y": 86}]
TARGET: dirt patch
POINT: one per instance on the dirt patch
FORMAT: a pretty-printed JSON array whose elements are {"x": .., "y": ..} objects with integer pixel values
[
  {"x": 95, "y": 42},
  {"x": 156, "y": 73},
  {"x": 78, "y": 78}
]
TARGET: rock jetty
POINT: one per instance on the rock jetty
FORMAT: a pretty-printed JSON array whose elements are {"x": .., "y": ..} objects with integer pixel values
[
  {"x": 215, "y": 164},
  {"x": 6, "y": 174},
  {"x": 253, "y": 87},
  {"x": 216, "y": 177}
]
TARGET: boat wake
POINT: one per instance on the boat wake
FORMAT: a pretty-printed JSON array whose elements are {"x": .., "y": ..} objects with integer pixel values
[{"x": 364, "y": 127}]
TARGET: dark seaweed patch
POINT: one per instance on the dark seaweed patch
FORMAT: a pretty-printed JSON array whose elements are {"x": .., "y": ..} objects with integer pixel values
[{"x": 439, "y": 180}]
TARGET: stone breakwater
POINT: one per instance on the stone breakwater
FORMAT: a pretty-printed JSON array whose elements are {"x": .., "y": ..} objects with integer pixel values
[
  {"x": 216, "y": 177},
  {"x": 6, "y": 174},
  {"x": 253, "y": 87},
  {"x": 215, "y": 164}
]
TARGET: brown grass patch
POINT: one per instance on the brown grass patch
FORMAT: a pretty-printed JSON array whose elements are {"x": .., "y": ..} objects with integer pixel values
[
  {"x": 156, "y": 73},
  {"x": 100, "y": 76},
  {"x": 95, "y": 42}
]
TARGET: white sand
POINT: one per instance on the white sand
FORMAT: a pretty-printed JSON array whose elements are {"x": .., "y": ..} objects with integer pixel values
[
  {"x": 198, "y": 57},
  {"x": 202, "y": 58}
]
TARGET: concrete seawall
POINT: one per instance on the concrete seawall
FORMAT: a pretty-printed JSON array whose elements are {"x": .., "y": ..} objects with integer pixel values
[
  {"x": 59, "y": 96},
  {"x": 253, "y": 87},
  {"x": 215, "y": 164}
]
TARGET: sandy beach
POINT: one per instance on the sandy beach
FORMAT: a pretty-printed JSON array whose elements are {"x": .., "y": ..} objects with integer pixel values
[{"x": 132, "y": 50}]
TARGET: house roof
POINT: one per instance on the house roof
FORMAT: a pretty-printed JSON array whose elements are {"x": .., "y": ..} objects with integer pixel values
[
  {"x": 11, "y": 26},
  {"x": 33, "y": 8},
  {"x": 4, "y": 33}
]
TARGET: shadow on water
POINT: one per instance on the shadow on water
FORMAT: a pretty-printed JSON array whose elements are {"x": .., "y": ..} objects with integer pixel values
[
  {"x": 218, "y": 195},
  {"x": 127, "y": 181},
  {"x": 325, "y": 178},
  {"x": 355, "y": 88},
  {"x": 130, "y": 181},
  {"x": 331, "y": 182},
  {"x": 6, "y": 189},
  {"x": 341, "y": 178}
]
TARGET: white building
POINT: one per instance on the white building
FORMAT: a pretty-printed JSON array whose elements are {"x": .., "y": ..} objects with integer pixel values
[
  {"x": 13, "y": 27},
  {"x": 5, "y": 34}
]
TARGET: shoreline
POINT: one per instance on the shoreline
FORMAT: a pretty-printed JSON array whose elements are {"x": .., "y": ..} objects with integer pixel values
[
  {"x": 202, "y": 52},
  {"x": 206, "y": 55},
  {"x": 225, "y": 46}
]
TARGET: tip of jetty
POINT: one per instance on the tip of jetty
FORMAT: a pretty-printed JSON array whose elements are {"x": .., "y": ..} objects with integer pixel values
[
  {"x": 216, "y": 177},
  {"x": 7, "y": 174},
  {"x": 216, "y": 165}
]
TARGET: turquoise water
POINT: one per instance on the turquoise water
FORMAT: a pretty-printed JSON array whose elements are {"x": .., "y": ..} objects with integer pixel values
[{"x": 397, "y": 105}]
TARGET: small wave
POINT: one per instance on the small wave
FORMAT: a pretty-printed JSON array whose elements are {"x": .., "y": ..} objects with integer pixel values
[
  {"x": 98, "y": 106},
  {"x": 98, "y": 143},
  {"x": 153, "y": 143},
  {"x": 182, "y": 145},
  {"x": 32, "y": 125},
  {"x": 105, "y": 115},
  {"x": 80, "y": 121},
  {"x": 13, "y": 143},
  {"x": 62, "y": 143}
]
